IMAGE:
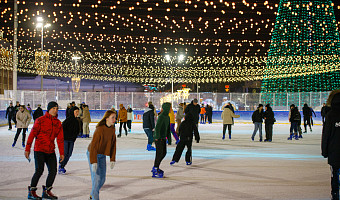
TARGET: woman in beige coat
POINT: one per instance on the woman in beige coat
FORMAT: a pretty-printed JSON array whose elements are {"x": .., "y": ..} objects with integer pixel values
[
  {"x": 23, "y": 120},
  {"x": 86, "y": 121},
  {"x": 227, "y": 116}
]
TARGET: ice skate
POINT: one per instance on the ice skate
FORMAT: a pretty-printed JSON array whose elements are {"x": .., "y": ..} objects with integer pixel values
[
  {"x": 47, "y": 194},
  {"x": 189, "y": 163},
  {"x": 150, "y": 148},
  {"x": 61, "y": 170},
  {"x": 32, "y": 193},
  {"x": 14, "y": 144},
  {"x": 172, "y": 162}
]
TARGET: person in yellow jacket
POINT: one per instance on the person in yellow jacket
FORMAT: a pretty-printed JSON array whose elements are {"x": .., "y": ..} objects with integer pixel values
[
  {"x": 172, "y": 124},
  {"x": 122, "y": 118}
]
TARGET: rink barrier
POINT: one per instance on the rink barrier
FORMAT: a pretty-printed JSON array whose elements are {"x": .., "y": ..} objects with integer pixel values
[{"x": 245, "y": 116}]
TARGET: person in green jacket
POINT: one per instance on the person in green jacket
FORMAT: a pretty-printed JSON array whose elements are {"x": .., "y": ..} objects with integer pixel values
[{"x": 161, "y": 133}]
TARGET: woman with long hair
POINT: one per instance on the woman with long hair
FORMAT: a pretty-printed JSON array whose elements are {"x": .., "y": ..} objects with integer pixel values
[{"x": 103, "y": 144}]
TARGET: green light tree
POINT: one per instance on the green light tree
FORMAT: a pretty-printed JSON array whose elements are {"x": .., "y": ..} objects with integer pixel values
[{"x": 304, "y": 51}]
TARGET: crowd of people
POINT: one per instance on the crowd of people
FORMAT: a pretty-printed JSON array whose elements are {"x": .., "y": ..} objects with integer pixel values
[{"x": 159, "y": 129}]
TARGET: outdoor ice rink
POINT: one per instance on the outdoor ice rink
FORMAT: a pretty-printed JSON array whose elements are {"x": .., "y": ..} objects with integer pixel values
[{"x": 229, "y": 169}]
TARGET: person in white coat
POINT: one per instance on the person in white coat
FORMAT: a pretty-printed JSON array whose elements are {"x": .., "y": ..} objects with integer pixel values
[
  {"x": 227, "y": 117},
  {"x": 23, "y": 118}
]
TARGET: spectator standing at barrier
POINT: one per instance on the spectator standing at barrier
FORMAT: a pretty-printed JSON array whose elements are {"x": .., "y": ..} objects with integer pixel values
[
  {"x": 295, "y": 121},
  {"x": 179, "y": 115},
  {"x": 202, "y": 114},
  {"x": 186, "y": 130},
  {"x": 331, "y": 139},
  {"x": 257, "y": 120},
  {"x": 162, "y": 131},
  {"x": 129, "y": 117},
  {"x": 269, "y": 120},
  {"x": 227, "y": 117},
  {"x": 209, "y": 113},
  {"x": 122, "y": 118},
  {"x": 86, "y": 119},
  {"x": 10, "y": 115},
  {"x": 307, "y": 116},
  {"x": 38, "y": 113},
  {"x": 23, "y": 119},
  {"x": 172, "y": 124},
  {"x": 103, "y": 144},
  {"x": 45, "y": 130},
  {"x": 194, "y": 109},
  {"x": 70, "y": 130},
  {"x": 149, "y": 126}
]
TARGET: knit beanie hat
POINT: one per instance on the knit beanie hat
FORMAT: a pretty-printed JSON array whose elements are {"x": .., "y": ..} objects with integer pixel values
[{"x": 51, "y": 105}]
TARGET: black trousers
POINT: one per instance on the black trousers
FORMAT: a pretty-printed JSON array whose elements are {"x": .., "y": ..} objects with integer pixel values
[
  {"x": 10, "y": 122},
  {"x": 335, "y": 182},
  {"x": 179, "y": 150},
  {"x": 210, "y": 118},
  {"x": 225, "y": 126},
  {"x": 269, "y": 131},
  {"x": 129, "y": 124},
  {"x": 160, "y": 151},
  {"x": 306, "y": 121},
  {"x": 120, "y": 128},
  {"x": 51, "y": 161},
  {"x": 23, "y": 134}
]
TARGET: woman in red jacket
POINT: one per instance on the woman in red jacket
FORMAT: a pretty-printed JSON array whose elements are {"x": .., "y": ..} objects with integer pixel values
[{"x": 44, "y": 131}]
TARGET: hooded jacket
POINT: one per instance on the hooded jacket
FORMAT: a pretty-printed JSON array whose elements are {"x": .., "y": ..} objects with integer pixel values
[
  {"x": 330, "y": 147},
  {"x": 269, "y": 115},
  {"x": 148, "y": 118},
  {"x": 188, "y": 127},
  {"x": 86, "y": 117},
  {"x": 122, "y": 115},
  {"x": 45, "y": 130},
  {"x": 227, "y": 116},
  {"x": 162, "y": 129},
  {"x": 71, "y": 126}
]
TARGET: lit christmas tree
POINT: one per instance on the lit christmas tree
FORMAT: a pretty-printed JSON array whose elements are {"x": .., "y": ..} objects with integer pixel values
[{"x": 305, "y": 49}]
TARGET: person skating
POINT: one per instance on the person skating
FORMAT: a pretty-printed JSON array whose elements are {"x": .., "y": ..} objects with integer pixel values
[
  {"x": 194, "y": 109},
  {"x": 307, "y": 116},
  {"x": 45, "y": 130},
  {"x": 38, "y": 113},
  {"x": 23, "y": 119},
  {"x": 179, "y": 115},
  {"x": 269, "y": 120},
  {"x": 10, "y": 115},
  {"x": 202, "y": 114},
  {"x": 257, "y": 120},
  {"x": 172, "y": 124},
  {"x": 103, "y": 144},
  {"x": 295, "y": 120},
  {"x": 129, "y": 117},
  {"x": 70, "y": 130},
  {"x": 227, "y": 117},
  {"x": 86, "y": 119},
  {"x": 122, "y": 118},
  {"x": 149, "y": 125},
  {"x": 29, "y": 109},
  {"x": 162, "y": 131},
  {"x": 186, "y": 131},
  {"x": 331, "y": 139},
  {"x": 209, "y": 113}
]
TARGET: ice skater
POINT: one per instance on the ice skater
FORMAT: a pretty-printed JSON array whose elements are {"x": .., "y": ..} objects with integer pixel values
[
  {"x": 257, "y": 120},
  {"x": 186, "y": 131},
  {"x": 330, "y": 140},
  {"x": 70, "y": 130},
  {"x": 295, "y": 121},
  {"x": 172, "y": 124},
  {"x": 149, "y": 126},
  {"x": 269, "y": 120},
  {"x": 10, "y": 115},
  {"x": 129, "y": 117},
  {"x": 45, "y": 130},
  {"x": 23, "y": 120},
  {"x": 122, "y": 118},
  {"x": 103, "y": 144},
  {"x": 162, "y": 131},
  {"x": 227, "y": 117},
  {"x": 307, "y": 117}
]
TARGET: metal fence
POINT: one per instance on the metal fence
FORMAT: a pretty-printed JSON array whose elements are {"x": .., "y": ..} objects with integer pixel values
[{"x": 138, "y": 100}]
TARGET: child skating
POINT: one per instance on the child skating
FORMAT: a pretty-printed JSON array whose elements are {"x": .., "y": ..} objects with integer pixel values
[{"x": 186, "y": 131}]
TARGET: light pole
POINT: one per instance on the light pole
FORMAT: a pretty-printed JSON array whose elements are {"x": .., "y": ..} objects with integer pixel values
[
  {"x": 41, "y": 25},
  {"x": 168, "y": 58}
]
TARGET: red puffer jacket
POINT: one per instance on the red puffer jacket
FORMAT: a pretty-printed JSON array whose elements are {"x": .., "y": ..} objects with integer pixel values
[{"x": 45, "y": 130}]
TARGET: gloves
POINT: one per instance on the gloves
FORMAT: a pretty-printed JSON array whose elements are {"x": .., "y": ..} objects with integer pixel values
[
  {"x": 112, "y": 164},
  {"x": 94, "y": 167}
]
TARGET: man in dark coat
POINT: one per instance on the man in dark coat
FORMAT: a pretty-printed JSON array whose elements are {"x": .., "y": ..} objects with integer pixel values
[
  {"x": 331, "y": 139},
  {"x": 209, "y": 113},
  {"x": 194, "y": 109},
  {"x": 307, "y": 116},
  {"x": 257, "y": 120},
  {"x": 268, "y": 123},
  {"x": 149, "y": 126},
  {"x": 38, "y": 113},
  {"x": 10, "y": 115}
]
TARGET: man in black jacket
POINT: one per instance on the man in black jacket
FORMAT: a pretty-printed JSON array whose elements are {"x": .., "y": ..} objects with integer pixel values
[
  {"x": 38, "y": 113},
  {"x": 194, "y": 109},
  {"x": 186, "y": 130},
  {"x": 268, "y": 123},
  {"x": 10, "y": 115},
  {"x": 257, "y": 120},
  {"x": 331, "y": 139},
  {"x": 149, "y": 126},
  {"x": 71, "y": 131},
  {"x": 307, "y": 116}
]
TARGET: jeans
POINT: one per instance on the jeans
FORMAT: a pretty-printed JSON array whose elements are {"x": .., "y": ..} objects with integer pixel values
[
  {"x": 149, "y": 133},
  {"x": 258, "y": 126},
  {"x": 294, "y": 128},
  {"x": 172, "y": 128},
  {"x": 40, "y": 159},
  {"x": 68, "y": 149},
  {"x": 98, "y": 177},
  {"x": 86, "y": 129},
  {"x": 23, "y": 135}
]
